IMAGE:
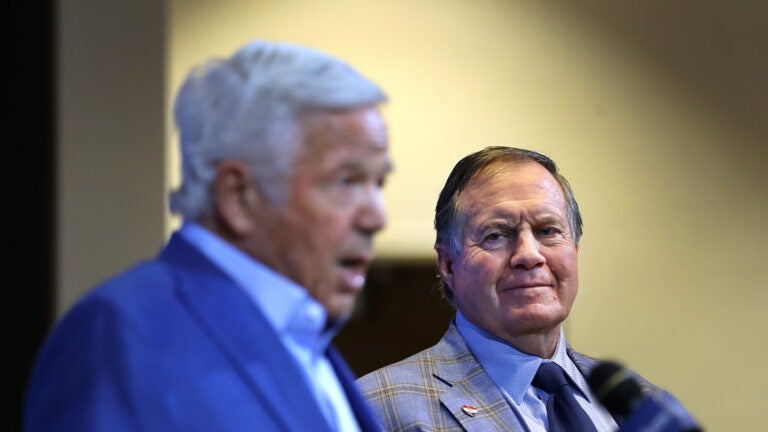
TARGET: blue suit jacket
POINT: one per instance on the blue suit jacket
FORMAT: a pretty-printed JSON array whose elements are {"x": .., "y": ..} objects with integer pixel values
[{"x": 173, "y": 344}]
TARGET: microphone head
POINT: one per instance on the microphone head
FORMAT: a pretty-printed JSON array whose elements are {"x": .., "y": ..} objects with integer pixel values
[{"x": 615, "y": 388}]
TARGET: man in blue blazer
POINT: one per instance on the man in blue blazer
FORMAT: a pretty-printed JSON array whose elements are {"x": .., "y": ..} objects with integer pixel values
[{"x": 284, "y": 155}]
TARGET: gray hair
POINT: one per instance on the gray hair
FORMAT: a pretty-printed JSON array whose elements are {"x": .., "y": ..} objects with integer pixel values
[
  {"x": 448, "y": 219},
  {"x": 248, "y": 107}
]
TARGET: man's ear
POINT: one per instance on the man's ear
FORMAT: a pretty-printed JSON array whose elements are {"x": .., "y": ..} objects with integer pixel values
[
  {"x": 444, "y": 264},
  {"x": 235, "y": 197}
]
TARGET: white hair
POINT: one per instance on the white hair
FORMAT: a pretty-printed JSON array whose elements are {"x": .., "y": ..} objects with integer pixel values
[{"x": 247, "y": 107}]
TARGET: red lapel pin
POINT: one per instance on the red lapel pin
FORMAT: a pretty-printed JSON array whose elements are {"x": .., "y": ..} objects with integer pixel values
[{"x": 469, "y": 409}]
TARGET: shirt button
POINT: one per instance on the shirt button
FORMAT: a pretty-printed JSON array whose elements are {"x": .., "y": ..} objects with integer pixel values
[{"x": 313, "y": 313}]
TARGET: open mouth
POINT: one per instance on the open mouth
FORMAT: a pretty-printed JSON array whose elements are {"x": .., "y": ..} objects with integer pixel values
[{"x": 353, "y": 271}]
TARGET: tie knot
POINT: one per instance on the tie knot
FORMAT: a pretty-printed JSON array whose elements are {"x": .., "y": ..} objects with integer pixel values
[
  {"x": 550, "y": 377},
  {"x": 564, "y": 413}
]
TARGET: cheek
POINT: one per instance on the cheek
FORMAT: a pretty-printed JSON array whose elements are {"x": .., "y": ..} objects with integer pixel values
[
  {"x": 332, "y": 227},
  {"x": 320, "y": 218},
  {"x": 483, "y": 267},
  {"x": 569, "y": 266},
  {"x": 326, "y": 238},
  {"x": 565, "y": 269},
  {"x": 478, "y": 273}
]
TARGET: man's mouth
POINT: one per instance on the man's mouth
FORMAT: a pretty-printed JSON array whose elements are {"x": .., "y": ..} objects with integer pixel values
[
  {"x": 353, "y": 270},
  {"x": 528, "y": 285}
]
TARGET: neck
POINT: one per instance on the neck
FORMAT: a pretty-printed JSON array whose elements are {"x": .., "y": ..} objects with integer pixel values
[{"x": 540, "y": 344}]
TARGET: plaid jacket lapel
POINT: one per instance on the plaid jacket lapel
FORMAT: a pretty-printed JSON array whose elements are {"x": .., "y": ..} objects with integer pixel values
[{"x": 470, "y": 388}]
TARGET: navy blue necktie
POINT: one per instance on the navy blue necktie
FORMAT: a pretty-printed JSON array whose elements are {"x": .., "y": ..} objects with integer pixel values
[{"x": 563, "y": 411}]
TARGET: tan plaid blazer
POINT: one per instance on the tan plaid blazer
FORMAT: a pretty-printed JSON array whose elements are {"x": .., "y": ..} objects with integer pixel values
[{"x": 426, "y": 392}]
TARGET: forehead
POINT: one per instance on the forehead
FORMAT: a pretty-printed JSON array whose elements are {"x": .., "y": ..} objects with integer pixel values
[
  {"x": 363, "y": 127},
  {"x": 523, "y": 182},
  {"x": 354, "y": 136}
]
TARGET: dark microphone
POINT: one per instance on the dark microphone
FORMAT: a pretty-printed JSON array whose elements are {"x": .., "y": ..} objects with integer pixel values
[{"x": 619, "y": 392}]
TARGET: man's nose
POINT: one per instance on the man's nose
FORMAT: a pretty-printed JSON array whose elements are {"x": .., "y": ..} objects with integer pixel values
[
  {"x": 373, "y": 213},
  {"x": 527, "y": 252}
]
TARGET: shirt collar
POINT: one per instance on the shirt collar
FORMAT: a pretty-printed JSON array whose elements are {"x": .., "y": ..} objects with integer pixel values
[
  {"x": 511, "y": 369},
  {"x": 286, "y": 305}
]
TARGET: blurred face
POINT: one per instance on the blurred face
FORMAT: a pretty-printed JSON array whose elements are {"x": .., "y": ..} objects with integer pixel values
[
  {"x": 516, "y": 273},
  {"x": 321, "y": 237}
]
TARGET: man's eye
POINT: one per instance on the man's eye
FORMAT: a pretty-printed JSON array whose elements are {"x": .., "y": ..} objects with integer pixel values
[
  {"x": 494, "y": 239},
  {"x": 348, "y": 179},
  {"x": 548, "y": 231}
]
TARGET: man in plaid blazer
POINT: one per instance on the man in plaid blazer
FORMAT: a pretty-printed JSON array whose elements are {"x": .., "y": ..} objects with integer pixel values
[{"x": 508, "y": 229}]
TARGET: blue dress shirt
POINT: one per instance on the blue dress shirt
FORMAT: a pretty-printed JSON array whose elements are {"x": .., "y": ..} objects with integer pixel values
[
  {"x": 298, "y": 319},
  {"x": 513, "y": 371}
]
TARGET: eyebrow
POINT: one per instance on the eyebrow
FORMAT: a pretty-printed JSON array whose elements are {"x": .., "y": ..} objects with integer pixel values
[
  {"x": 361, "y": 166},
  {"x": 506, "y": 222},
  {"x": 500, "y": 221},
  {"x": 549, "y": 220},
  {"x": 363, "y": 163},
  {"x": 500, "y": 224}
]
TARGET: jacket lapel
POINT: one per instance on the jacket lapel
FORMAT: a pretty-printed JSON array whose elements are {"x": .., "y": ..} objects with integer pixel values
[
  {"x": 363, "y": 413},
  {"x": 470, "y": 388},
  {"x": 245, "y": 338}
]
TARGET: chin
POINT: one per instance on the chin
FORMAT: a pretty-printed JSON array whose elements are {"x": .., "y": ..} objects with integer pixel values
[
  {"x": 539, "y": 319},
  {"x": 340, "y": 308}
]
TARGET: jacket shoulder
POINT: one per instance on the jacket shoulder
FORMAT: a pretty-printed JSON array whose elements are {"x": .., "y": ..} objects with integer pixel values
[
  {"x": 449, "y": 356},
  {"x": 413, "y": 369},
  {"x": 587, "y": 363}
]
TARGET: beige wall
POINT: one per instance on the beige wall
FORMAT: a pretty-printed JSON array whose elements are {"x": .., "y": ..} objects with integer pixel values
[
  {"x": 110, "y": 139},
  {"x": 656, "y": 114}
]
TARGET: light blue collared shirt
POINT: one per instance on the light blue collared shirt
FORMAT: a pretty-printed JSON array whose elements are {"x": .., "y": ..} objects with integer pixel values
[
  {"x": 513, "y": 371},
  {"x": 298, "y": 319}
]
